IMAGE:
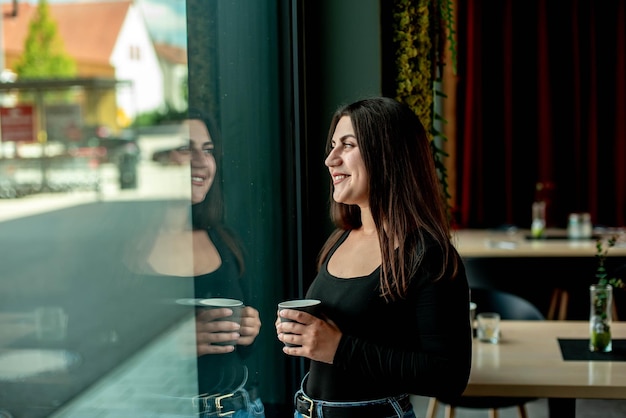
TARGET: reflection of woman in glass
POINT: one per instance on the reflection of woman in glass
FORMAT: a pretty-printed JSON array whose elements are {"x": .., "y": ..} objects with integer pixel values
[{"x": 225, "y": 387}]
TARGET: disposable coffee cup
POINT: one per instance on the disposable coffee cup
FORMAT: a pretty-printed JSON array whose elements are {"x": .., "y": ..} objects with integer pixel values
[
  {"x": 311, "y": 306},
  {"x": 234, "y": 305}
]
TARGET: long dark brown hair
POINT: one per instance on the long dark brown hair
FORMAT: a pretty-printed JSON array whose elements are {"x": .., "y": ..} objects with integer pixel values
[
  {"x": 209, "y": 214},
  {"x": 406, "y": 198}
]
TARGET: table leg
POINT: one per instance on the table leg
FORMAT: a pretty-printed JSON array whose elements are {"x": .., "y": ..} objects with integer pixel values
[{"x": 562, "y": 407}]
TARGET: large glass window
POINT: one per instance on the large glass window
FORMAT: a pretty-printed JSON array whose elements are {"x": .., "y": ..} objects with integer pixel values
[{"x": 98, "y": 174}]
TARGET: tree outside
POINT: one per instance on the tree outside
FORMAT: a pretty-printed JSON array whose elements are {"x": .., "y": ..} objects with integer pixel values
[{"x": 44, "y": 55}]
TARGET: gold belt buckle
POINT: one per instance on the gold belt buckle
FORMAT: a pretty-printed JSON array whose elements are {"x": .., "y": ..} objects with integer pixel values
[
  {"x": 219, "y": 407},
  {"x": 310, "y": 409}
]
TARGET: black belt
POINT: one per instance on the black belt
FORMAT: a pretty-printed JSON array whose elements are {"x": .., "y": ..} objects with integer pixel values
[
  {"x": 225, "y": 405},
  {"x": 308, "y": 409}
]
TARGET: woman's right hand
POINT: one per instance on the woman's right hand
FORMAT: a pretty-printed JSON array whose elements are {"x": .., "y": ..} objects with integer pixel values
[{"x": 317, "y": 339}]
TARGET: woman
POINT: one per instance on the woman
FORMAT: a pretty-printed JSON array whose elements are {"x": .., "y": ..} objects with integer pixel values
[
  {"x": 393, "y": 288},
  {"x": 226, "y": 383}
]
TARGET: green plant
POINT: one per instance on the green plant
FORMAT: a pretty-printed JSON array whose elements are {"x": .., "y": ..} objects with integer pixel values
[
  {"x": 601, "y": 254},
  {"x": 600, "y": 326},
  {"x": 158, "y": 116},
  {"x": 44, "y": 55},
  {"x": 422, "y": 29},
  {"x": 600, "y": 298}
]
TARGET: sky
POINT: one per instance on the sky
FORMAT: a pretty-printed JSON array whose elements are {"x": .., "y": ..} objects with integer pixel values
[{"x": 166, "y": 19}]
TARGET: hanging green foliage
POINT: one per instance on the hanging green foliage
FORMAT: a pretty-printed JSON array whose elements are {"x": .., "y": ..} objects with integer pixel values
[
  {"x": 413, "y": 57},
  {"x": 421, "y": 29}
]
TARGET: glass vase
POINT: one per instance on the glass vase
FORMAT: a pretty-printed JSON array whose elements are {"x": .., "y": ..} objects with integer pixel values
[{"x": 601, "y": 298}]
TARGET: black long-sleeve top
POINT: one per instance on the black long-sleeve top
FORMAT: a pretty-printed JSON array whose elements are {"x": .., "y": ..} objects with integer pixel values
[
  {"x": 420, "y": 344},
  {"x": 223, "y": 373}
]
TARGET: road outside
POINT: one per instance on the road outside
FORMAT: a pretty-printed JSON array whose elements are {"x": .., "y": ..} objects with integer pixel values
[{"x": 155, "y": 181}]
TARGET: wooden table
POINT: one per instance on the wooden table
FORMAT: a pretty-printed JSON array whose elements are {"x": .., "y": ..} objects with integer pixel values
[
  {"x": 528, "y": 363},
  {"x": 553, "y": 273},
  {"x": 494, "y": 243}
]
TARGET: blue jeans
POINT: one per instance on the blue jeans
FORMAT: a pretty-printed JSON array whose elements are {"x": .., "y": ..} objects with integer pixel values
[
  {"x": 254, "y": 408},
  {"x": 408, "y": 414},
  {"x": 392, "y": 401}
]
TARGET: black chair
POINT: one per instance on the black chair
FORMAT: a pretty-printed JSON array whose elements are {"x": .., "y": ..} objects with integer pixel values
[{"x": 509, "y": 306}]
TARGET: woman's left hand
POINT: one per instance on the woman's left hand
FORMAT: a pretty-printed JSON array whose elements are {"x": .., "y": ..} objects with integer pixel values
[
  {"x": 210, "y": 330},
  {"x": 250, "y": 325},
  {"x": 317, "y": 339}
]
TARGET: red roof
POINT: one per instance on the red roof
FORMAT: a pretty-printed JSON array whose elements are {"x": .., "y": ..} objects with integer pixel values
[
  {"x": 171, "y": 53},
  {"x": 89, "y": 29}
]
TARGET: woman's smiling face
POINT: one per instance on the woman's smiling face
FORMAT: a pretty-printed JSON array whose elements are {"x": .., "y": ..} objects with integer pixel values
[
  {"x": 199, "y": 153},
  {"x": 346, "y": 166}
]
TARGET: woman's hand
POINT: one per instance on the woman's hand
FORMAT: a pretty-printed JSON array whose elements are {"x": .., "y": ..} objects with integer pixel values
[
  {"x": 316, "y": 339},
  {"x": 250, "y": 325},
  {"x": 209, "y": 330}
]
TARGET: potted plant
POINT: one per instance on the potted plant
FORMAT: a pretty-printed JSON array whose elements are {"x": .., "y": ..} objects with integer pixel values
[{"x": 601, "y": 299}]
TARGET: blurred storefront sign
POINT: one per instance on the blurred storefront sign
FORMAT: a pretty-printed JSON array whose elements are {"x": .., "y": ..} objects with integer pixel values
[{"x": 17, "y": 123}]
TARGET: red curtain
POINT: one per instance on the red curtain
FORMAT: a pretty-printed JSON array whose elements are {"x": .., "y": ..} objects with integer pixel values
[{"x": 541, "y": 102}]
